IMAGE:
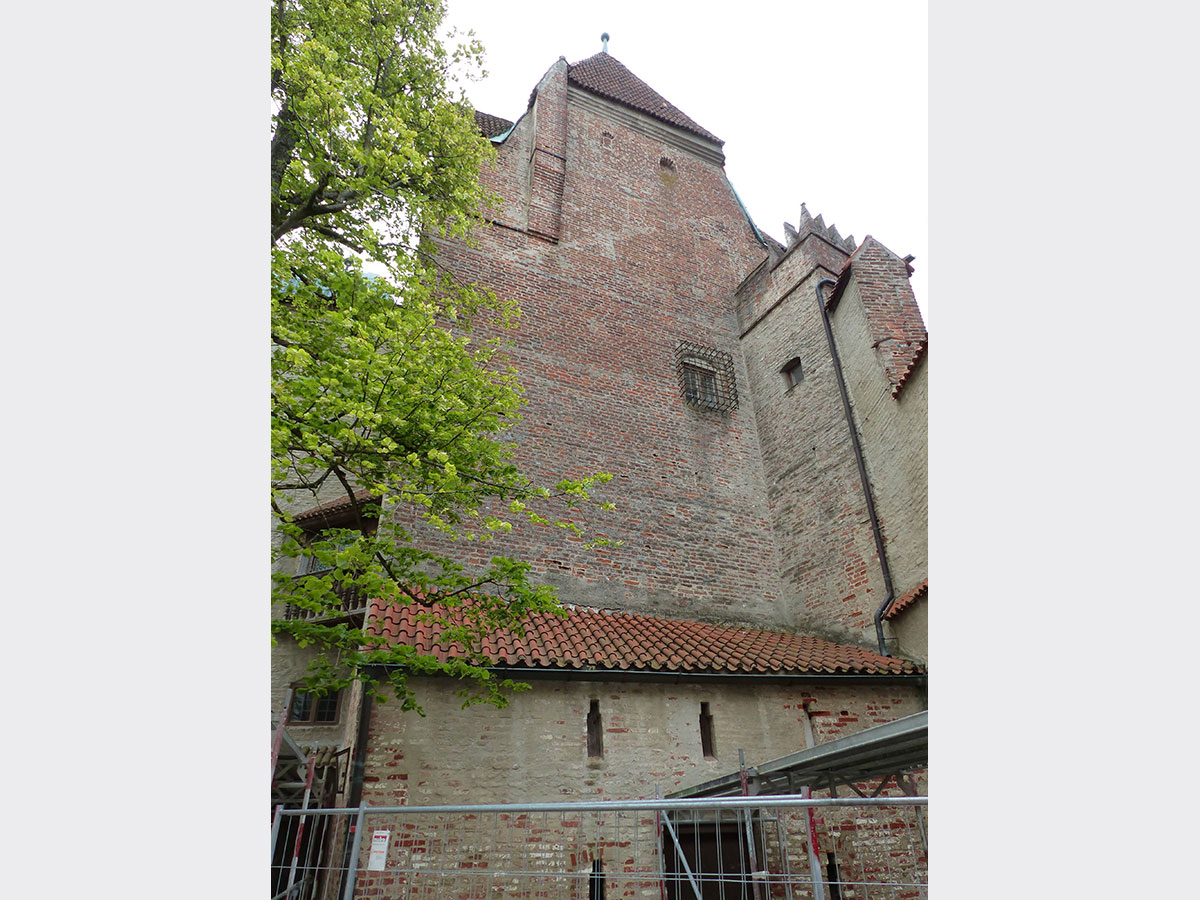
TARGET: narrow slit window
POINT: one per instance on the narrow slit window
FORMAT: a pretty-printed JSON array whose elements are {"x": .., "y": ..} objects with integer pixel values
[
  {"x": 792, "y": 373},
  {"x": 596, "y": 881},
  {"x": 835, "y": 878},
  {"x": 706, "y": 733},
  {"x": 595, "y": 732}
]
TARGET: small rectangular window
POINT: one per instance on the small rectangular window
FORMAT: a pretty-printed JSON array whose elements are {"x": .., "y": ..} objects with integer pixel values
[
  {"x": 706, "y": 733},
  {"x": 699, "y": 386},
  {"x": 308, "y": 709},
  {"x": 595, "y": 732},
  {"x": 792, "y": 373},
  {"x": 301, "y": 707}
]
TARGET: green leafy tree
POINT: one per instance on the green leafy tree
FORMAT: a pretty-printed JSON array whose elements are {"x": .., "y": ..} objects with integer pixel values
[{"x": 378, "y": 387}]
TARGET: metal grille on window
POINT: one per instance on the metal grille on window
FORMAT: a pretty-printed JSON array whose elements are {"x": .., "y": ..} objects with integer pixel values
[{"x": 706, "y": 376}]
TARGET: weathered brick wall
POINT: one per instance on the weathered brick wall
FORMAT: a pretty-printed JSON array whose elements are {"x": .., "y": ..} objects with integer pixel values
[
  {"x": 878, "y": 330},
  {"x": 651, "y": 244},
  {"x": 535, "y": 750},
  {"x": 289, "y": 661},
  {"x": 819, "y": 521},
  {"x": 507, "y": 175},
  {"x": 289, "y": 664},
  {"x": 893, "y": 319},
  {"x": 828, "y": 553},
  {"x": 547, "y": 163}
]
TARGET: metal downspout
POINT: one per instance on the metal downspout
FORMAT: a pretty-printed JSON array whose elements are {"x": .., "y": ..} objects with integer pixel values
[
  {"x": 862, "y": 471},
  {"x": 356, "y": 781}
]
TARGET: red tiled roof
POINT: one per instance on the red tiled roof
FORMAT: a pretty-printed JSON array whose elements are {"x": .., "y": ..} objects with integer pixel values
[
  {"x": 603, "y": 639},
  {"x": 490, "y": 125},
  {"x": 910, "y": 367},
  {"x": 602, "y": 74},
  {"x": 331, "y": 509},
  {"x": 908, "y": 600}
]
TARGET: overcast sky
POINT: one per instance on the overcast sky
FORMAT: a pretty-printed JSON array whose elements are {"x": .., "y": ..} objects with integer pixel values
[{"x": 824, "y": 104}]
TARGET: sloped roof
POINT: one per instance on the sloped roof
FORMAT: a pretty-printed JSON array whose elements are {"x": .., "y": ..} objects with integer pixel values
[
  {"x": 622, "y": 641},
  {"x": 907, "y": 600},
  {"x": 490, "y": 125},
  {"x": 332, "y": 509},
  {"x": 602, "y": 74}
]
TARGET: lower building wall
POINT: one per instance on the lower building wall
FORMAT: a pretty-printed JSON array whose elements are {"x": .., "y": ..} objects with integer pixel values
[
  {"x": 536, "y": 749},
  {"x": 289, "y": 665},
  {"x": 911, "y": 629}
]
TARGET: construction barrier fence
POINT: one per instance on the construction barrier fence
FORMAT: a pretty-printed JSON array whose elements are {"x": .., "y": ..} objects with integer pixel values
[{"x": 732, "y": 848}]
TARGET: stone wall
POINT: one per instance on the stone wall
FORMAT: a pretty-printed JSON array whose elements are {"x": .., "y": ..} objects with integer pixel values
[
  {"x": 819, "y": 522},
  {"x": 535, "y": 750},
  {"x": 881, "y": 341},
  {"x": 289, "y": 664}
]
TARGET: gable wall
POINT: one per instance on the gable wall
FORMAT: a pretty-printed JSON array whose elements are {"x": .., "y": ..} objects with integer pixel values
[{"x": 645, "y": 256}]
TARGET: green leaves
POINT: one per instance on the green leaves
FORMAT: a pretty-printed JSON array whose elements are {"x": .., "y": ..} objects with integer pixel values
[
  {"x": 368, "y": 141},
  {"x": 377, "y": 387}
]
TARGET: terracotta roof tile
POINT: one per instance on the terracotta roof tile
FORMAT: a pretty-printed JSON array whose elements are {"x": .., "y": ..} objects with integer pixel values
[
  {"x": 491, "y": 126},
  {"x": 909, "y": 367},
  {"x": 331, "y": 509},
  {"x": 908, "y": 600},
  {"x": 326, "y": 756},
  {"x": 897, "y": 330},
  {"x": 605, "y": 639},
  {"x": 602, "y": 74}
]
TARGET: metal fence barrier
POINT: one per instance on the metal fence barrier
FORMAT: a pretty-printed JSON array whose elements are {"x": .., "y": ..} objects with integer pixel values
[{"x": 734, "y": 848}]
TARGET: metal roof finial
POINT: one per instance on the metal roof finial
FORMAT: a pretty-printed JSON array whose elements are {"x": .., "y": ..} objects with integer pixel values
[{"x": 604, "y": 38}]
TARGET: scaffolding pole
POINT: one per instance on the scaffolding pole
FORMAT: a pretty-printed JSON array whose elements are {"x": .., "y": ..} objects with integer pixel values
[
  {"x": 352, "y": 872},
  {"x": 754, "y": 880},
  {"x": 308, "y": 780}
]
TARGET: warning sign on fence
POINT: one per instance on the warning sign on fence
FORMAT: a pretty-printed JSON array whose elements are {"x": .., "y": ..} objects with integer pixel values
[{"x": 379, "y": 845}]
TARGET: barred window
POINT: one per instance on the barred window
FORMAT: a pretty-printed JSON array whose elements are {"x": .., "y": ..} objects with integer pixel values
[
  {"x": 706, "y": 376},
  {"x": 699, "y": 385}
]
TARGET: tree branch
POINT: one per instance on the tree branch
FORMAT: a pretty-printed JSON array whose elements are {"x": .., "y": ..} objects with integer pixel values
[{"x": 333, "y": 235}]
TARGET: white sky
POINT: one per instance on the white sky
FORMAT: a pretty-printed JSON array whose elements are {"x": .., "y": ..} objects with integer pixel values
[{"x": 817, "y": 103}]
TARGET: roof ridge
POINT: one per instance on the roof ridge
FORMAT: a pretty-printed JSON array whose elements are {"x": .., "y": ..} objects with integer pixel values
[{"x": 607, "y": 76}]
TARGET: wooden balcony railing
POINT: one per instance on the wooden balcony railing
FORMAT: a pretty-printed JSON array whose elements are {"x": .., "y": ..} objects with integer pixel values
[{"x": 353, "y": 602}]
